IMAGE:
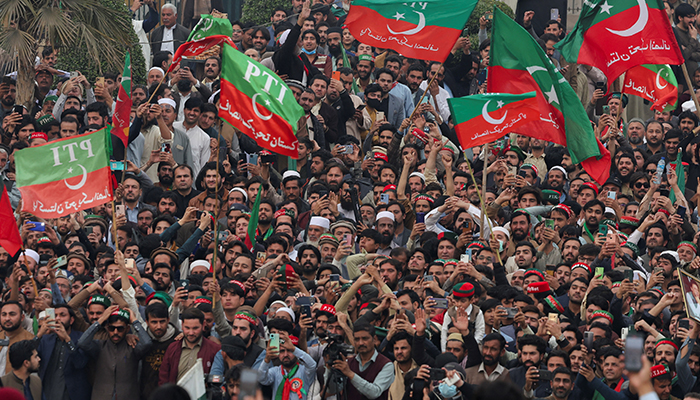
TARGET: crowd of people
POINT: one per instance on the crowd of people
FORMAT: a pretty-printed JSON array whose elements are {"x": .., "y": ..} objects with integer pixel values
[{"x": 383, "y": 263}]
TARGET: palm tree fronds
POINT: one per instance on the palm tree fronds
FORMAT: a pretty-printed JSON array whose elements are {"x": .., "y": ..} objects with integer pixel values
[
  {"x": 52, "y": 22},
  {"x": 14, "y": 11},
  {"x": 19, "y": 46}
]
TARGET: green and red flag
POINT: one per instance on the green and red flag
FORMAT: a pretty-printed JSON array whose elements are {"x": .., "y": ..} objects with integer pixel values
[
  {"x": 122, "y": 111},
  {"x": 257, "y": 102},
  {"x": 485, "y": 118},
  {"x": 210, "y": 26},
  {"x": 618, "y": 35},
  {"x": 10, "y": 239},
  {"x": 66, "y": 175},
  {"x": 197, "y": 47},
  {"x": 656, "y": 83},
  {"x": 253, "y": 223},
  {"x": 519, "y": 65},
  {"x": 424, "y": 30}
]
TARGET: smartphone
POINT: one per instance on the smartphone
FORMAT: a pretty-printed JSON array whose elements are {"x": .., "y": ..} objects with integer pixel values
[
  {"x": 440, "y": 303},
  {"x": 18, "y": 109},
  {"x": 664, "y": 192},
  {"x": 88, "y": 230},
  {"x": 360, "y": 107},
  {"x": 165, "y": 147},
  {"x": 624, "y": 332},
  {"x": 588, "y": 340},
  {"x": 629, "y": 274},
  {"x": 467, "y": 256},
  {"x": 612, "y": 195},
  {"x": 603, "y": 229},
  {"x": 306, "y": 310},
  {"x": 199, "y": 214},
  {"x": 275, "y": 340},
  {"x": 116, "y": 165},
  {"x": 599, "y": 271},
  {"x": 429, "y": 278},
  {"x": 657, "y": 270},
  {"x": 380, "y": 116},
  {"x": 522, "y": 173},
  {"x": 335, "y": 75},
  {"x": 348, "y": 149},
  {"x": 249, "y": 383},
  {"x": 261, "y": 256},
  {"x": 437, "y": 374},
  {"x": 554, "y": 14},
  {"x": 74, "y": 74},
  {"x": 347, "y": 238},
  {"x": 634, "y": 351},
  {"x": 600, "y": 85},
  {"x": 489, "y": 16},
  {"x": 120, "y": 209},
  {"x": 606, "y": 110},
  {"x": 550, "y": 269},
  {"x": 184, "y": 283},
  {"x": 51, "y": 313},
  {"x": 420, "y": 218},
  {"x": 100, "y": 81},
  {"x": 549, "y": 223},
  {"x": 384, "y": 198},
  {"x": 223, "y": 235},
  {"x": 511, "y": 312},
  {"x": 546, "y": 375},
  {"x": 684, "y": 323},
  {"x": 335, "y": 278},
  {"x": 129, "y": 263},
  {"x": 38, "y": 227},
  {"x": 305, "y": 301},
  {"x": 61, "y": 261},
  {"x": 680, "y": 210}
]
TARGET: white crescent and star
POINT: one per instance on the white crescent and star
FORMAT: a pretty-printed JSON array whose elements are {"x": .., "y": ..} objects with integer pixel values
[
  {"x": 418, "y": 28},
  {"x": 552, "y": 94},
  {"x": 488, "y": 118},
  {"x": 83, "y": 179},
  {"x": 658, "y": 82},
  {"x": 255, "y": 108},
  {"x": 638, "y": 26}
]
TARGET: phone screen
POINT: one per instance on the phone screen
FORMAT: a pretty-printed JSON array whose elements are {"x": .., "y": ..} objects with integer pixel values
[{"x": 634, "y": 351}]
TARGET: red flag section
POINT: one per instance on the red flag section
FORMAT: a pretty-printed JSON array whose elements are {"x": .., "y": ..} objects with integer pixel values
[
  {"x": 197, "y": 47},
  {"x": 10, "y": 239}
]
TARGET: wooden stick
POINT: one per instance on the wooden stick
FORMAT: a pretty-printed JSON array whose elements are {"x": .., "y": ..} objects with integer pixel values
[
  {"x": 157, "y": 87},
  {"x": 483, "y": 207},
  {"x": 425, "y": 92},
  {"x": 216, "y": 220},
  {"x": 690, "y": 87}
]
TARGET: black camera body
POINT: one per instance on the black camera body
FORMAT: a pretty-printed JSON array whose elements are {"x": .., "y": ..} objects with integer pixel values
[{"x": 337, "y": 348}]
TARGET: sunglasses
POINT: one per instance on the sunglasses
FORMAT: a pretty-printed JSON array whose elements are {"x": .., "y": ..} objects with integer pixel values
[
  {"x": 640, "y": 185},
  {"x": 650, "y": 171},
  {"x": 112, "y": 328}
]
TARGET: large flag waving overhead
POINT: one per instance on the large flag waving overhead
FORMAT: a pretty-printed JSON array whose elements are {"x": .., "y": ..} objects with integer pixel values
[
  {"x": 519, "y": 65},
  {"x": 66, "y": 175},
  {"x": 258, "y": 103},
  {"x": 122, "y": 111},
  {"x": 655, "y": 83},
  {"x": 197, "y": 47},
  {"x": 210, "y": 26},
  {"x": 617, "y": 35},
  {"x": 424, "y": 30},
  {"x": 9, "y": 234},
  {"x": 484, "y": 118}
]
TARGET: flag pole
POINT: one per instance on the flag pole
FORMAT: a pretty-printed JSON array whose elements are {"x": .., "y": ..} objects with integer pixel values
[
  {"x": 483, "y": 206},
  {"x": 425, "y": 92},
  {"x": 690, "y": 87},
  {"x": 216, "y": 218},
  {"x": 114, "y": 222},
  {"x": 157, "y": 87}
]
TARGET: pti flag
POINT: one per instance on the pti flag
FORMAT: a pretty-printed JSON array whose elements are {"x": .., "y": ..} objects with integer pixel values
[
  {"x": 122, "y": 111},
  {"x": 253, "y": 223},
  {"x": 424, "y": 30},
  {"x": 66, "y": 175},
  {"x": 197, "y": 47},
  {"x": 9, "y": 234},
  {"x": 618, "y": 35},
  {"x": 258, "y": 103},
  {"x": 485, "y": 118},
  {"x": 519, "y": 65},
  {"x": 655, "y": 83},
  {"x": 210, "y": 26}
]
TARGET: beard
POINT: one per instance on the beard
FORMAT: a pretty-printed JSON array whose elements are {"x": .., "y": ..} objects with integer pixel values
[
  {"x": 519, "y": 235},
  {"x": 166, "y": 180},
  {"x": 308, "y": 267},
  {"x": 488, "y": 361},
  {"x": 386, "y": 238},
  {"x": 347, "y": 205},
  {"x": 264, "y": 221},
  {"x": 289, "y": 363},
  {"x": 635, "y": 139},
  {"x": 333, "y": 186},
  {"x": 12, "y": 328},
  {"x": 334, "y": 50}
]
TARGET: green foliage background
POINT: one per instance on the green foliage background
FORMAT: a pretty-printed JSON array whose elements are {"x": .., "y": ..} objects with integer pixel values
[
  {"x": 259, "y": 11},
  {"x": 77, "y": 58}
]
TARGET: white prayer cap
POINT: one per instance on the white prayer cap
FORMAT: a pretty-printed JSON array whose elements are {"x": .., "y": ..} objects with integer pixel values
[
  {"x": 169, "y": 102},
  {"x": 386, "y": 214},
  {"x": 320, "y": 221}
]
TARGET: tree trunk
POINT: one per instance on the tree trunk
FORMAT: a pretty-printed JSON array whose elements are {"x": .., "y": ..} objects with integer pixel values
[{"x": 25, "y": 84}]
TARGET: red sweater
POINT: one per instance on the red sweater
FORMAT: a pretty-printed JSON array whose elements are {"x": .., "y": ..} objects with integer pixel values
[{"x": 168, "y": 369}]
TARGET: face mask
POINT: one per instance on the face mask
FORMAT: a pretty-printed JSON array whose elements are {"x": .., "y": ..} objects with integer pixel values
[
  {"x": 308, "y": 52},
  {"x": 374, "y": 103},
  {"x": 447, "y": 391}
]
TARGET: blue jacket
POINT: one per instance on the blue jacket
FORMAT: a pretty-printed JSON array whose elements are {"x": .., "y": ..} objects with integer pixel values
[{"x": 75, "y": 370}]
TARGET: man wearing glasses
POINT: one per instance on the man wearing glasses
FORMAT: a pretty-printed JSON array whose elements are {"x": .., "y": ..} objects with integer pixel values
[{"x": 116, "y": 362}]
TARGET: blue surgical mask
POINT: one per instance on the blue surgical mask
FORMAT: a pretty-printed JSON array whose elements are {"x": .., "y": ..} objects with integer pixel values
[
  {"x": 308, "y": 52},
  {"x": 447, "y": 391}
]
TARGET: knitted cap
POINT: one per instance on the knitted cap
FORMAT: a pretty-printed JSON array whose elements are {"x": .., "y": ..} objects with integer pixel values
[
  {"x": 99, "y": 299},
  {"x": 602, "y": 314}
]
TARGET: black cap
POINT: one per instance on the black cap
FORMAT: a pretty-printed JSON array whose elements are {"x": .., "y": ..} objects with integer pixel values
[{"x": 230, "y": 343}]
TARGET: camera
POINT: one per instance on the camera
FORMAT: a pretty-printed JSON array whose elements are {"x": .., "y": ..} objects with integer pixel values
[
  {"x": 337, "y": 348},
  {"x": 213, "y": 385}
]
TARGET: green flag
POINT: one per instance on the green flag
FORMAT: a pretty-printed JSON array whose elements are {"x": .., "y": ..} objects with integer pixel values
[
  {"x": 210, "y": 26},
  {"x": 253, "y": 223},
  {"x": 680, "y": 173}
]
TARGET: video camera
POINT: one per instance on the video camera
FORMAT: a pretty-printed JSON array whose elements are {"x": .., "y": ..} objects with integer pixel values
[{"x": 337, "y": 348}]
